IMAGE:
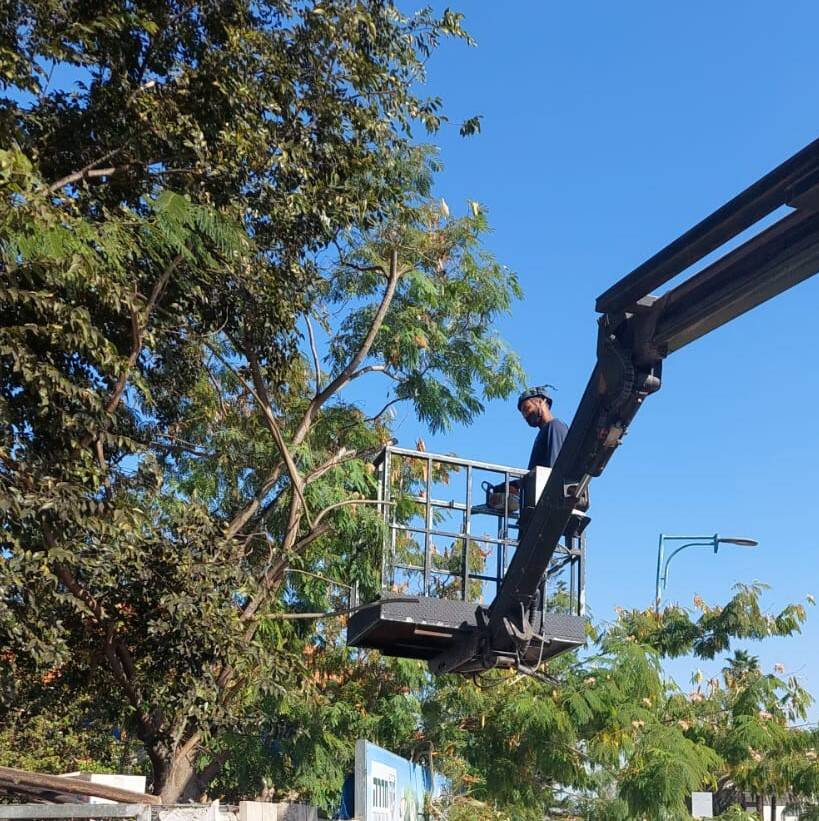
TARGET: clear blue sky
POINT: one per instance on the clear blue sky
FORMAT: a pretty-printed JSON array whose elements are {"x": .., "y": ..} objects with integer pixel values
[{"x": 608, "y": 130}]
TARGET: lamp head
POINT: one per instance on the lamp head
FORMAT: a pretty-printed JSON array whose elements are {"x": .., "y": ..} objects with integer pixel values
[{"x": 739, "y": 541}]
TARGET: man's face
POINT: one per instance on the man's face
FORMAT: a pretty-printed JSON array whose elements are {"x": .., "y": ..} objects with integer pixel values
[{"x": 532, "y": 410}]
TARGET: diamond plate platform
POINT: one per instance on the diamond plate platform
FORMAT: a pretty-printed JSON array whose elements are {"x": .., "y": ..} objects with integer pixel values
[{"x": 427, "y": 627}]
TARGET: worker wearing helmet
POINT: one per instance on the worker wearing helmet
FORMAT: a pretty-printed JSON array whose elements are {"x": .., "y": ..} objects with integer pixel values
[{"x": 535, "y": 405}]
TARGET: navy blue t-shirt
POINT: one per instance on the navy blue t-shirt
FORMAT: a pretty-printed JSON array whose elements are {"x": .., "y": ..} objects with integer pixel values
[{"x": 548, "y": 443}]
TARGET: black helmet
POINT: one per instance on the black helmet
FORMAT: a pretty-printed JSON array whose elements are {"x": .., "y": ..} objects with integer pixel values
[{"x": 541, "y": 391}]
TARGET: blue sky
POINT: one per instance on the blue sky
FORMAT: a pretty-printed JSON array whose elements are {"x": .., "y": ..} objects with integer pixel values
[{"x": 608, "y": 130}]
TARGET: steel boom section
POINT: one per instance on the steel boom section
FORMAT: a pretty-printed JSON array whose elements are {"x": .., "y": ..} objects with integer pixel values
[
  {"x": 636, "y": 332},
  {"x": 781, "y": 186},
  {"x": 766, "y": 265}
]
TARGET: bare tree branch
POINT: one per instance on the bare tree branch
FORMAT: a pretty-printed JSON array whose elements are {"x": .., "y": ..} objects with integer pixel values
[
  {"x": 346, "y": 502},
  {"x": 263, "y": 401},
  {"x": 340, "y": 457},
  {"x": 218, "y": 388},
  {"x": 139, "y": 324},
  {"x": 101, "y": 456},
  {"x": 91, "y": 169},
  {"x": 378, "y": 415},
  {"x": 316, "y": 533},
  {"x": 386, "y": 408},
  {"x": 252, "y": 507},
  {"x": 263, "y": 398},
  {"x": 84, "y": 172},
  {"x": 364, "y": 269},
  {"x": 175, "y": 443},
  {"x": 375, "y": 369},
  {"x": 274, "y": 501},
  {"x": 315, "y": 354},
  {"x": 78, "y": 592},
  {"x": 344, "y": 377}
]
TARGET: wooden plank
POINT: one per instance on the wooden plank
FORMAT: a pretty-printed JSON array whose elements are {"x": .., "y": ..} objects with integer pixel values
[
  {"x": 39, "y": 811},
  {"x": 74, "y": 786}
]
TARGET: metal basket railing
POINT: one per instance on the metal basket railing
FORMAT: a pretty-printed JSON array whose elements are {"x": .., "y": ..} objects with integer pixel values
[{"x": 417, "y": 492}]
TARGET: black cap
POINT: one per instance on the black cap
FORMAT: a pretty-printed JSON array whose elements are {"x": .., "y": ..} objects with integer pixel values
[{"x": 541, "y": 391}]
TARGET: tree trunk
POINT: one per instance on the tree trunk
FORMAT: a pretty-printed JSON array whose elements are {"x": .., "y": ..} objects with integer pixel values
[
  {"x": 773, "y": 807},
  {"x": 727, "y": 795},
  {"x": 760, "y": 805},
  {"x": 182, "y": 782}
]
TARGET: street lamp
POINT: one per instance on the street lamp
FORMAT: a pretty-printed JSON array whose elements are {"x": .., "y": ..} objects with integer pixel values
[{"x": 690, "y": 541}]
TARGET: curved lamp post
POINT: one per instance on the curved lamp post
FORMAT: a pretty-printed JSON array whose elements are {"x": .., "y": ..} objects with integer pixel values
[{"x": 690, "y": 541}]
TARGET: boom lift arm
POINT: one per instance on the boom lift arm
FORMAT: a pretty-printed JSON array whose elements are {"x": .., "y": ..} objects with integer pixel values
[{"x": 636, "y": 332}]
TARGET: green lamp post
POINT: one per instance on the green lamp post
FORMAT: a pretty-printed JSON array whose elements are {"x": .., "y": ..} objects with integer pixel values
[{"x": 689, "y": 541}]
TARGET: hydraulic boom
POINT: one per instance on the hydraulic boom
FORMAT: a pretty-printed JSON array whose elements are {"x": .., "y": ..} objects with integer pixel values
[{"x": 636, "y": 332}]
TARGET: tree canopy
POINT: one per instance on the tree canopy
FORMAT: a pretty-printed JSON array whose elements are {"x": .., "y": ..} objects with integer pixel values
[{"x": 197, "y": 197}]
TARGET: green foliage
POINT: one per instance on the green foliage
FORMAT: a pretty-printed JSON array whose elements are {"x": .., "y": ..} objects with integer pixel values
[
  {"x": 664, "y": 770},
  {"x": 741, "y": 618},
  {"x": 179, "y": 472},
  {"x": 76, "y": 738},
  {"x": 612, "y": 738},
  {"x": 736, "y": 813},
  {"x": 437, "y": 339}
]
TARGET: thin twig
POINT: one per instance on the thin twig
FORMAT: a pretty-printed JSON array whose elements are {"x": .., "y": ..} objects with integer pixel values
[
  {"x": 290, "y": 462},
  {"x": 317, "y": 532},
  {"x": 364, "y": 269},
  {"x": 378, "y": 415},
  {"x": 376, "y": 369},
  {"x": 336, "y": 459},
  {"x": 218, "y": 388},
  {"x": 352, "y": 366},
  {"x": 176, "y": 443},
  {"x": 315, "y": 355},
  {"x": 273, "y": 502},
  {"x": 88, "y": 170},
  {"x": 244, "y": 515},
  {"x": 346, "y": 611},
  {"x": 83, "y": 173},
  {"x": 101, "y": 457},
  {"x": 386, "y": 408},
  {"x": 270, "y": 419},
  {"x": 350, "y": 502}
]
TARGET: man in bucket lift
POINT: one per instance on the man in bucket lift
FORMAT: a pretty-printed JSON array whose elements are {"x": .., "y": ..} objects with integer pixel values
[{"x": 535, "y": 405}]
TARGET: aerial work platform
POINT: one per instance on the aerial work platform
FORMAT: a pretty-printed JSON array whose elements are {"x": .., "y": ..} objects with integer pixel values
[
  {"x": 496, "y": 600},
  {"x": 451, "y": 529},
  {"x": 428, "y": 627}
]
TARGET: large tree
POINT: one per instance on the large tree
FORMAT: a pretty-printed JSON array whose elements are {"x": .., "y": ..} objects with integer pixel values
[{"x": 196, "y": 198}]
